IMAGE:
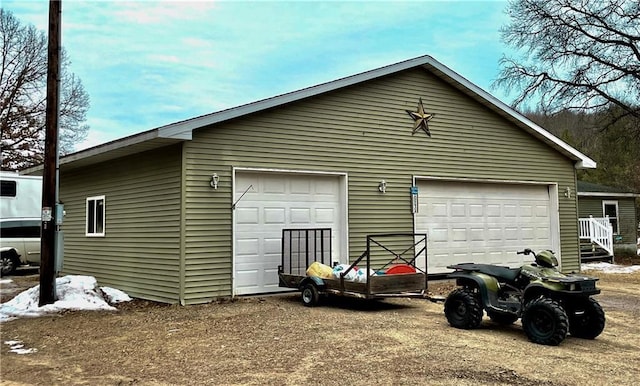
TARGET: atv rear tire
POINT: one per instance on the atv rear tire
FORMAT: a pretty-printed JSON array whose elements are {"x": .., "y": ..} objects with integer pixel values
[
  {"x": 502, "y": 318},
  {"x": 586, "y": 320},
  {"x": 463, "y": 310},
  {"x": 545, "y": 322}
]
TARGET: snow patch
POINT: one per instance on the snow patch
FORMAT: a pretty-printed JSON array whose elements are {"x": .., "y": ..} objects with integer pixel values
[
  {"x": 74, "y": 293},
  {"x": 113, "y": 295},
  {"x": 17, "y": 347},
  {"x": 609, "y": 268}
]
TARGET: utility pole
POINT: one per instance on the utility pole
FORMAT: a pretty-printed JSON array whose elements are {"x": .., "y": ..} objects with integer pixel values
[{"x": 50, "y": 174}]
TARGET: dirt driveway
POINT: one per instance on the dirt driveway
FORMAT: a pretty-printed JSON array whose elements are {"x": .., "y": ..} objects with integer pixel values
[{"x": 277, "y": 341}]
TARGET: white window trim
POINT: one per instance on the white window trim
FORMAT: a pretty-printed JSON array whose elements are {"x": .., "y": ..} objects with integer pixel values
[
  {"x": 612, "y": 202},
  {"x": 104, "y": 216}
]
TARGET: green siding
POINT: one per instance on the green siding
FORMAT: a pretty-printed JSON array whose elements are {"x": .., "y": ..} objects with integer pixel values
[
  {"x": 140, "y": 252},
  {"x": 627, "y": 220},
  {"x": 592, "y": 206},
  {"x": 589, "y": 206},
  {"x": 362, "y": 130}
]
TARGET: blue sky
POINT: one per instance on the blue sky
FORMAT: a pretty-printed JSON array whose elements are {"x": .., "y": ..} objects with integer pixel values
[{"x": 145, "y": 64}]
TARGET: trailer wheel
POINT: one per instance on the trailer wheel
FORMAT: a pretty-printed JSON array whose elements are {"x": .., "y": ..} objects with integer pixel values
[{"x": 310, "y": 295}]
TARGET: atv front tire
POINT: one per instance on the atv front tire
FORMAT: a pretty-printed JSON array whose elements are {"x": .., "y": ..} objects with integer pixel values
[
  {"x": 545, "y": 322},
  {"x": 463, "y": 310},
  {"x": 586, "y": 320},
  {"x": 502, "y": 318}
]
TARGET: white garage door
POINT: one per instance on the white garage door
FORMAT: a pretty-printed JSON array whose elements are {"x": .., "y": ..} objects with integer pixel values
[
  {"x": 275, "y": 202},
  {"x": 482, "y": 222}
]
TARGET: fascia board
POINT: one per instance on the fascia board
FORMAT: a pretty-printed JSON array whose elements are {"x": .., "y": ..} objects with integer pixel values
[
  {"x": 584, "y": 162},
  {"x": 100, "y": 149},
  {"x": 607, "y": 194},
  {"x": 180, "y": 128},
  {"x": 110, "y": 146},
  {"x": 183, "y": 130}
]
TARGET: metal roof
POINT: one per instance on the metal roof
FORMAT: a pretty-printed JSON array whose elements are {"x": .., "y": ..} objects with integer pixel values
[{"x": 182, "y": 130}]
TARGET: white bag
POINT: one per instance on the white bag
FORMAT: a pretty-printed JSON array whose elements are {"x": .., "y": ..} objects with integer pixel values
[{"x": 338, "y": 269}]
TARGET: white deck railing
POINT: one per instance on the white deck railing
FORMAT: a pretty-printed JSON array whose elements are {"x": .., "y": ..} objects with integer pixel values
[{"x": 597, "y": 230}]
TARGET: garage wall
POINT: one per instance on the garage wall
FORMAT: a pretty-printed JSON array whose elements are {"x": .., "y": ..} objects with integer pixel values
[
  {"x": 363, "y": 131},
  {"x": 140, "y": 252}
]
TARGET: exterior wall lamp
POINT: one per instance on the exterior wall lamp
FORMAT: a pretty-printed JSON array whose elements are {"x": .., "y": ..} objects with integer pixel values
[
  {"x": 214, "y": 181},
  {"x": 382, "y": 186},
  {"x": 567, "y": 192}
]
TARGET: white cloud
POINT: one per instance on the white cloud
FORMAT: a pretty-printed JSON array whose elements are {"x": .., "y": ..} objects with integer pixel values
[
  {"x": 151, "y": 63},
  {"x": 97, "y": 137},
  {"x": 160, "y": 12}
]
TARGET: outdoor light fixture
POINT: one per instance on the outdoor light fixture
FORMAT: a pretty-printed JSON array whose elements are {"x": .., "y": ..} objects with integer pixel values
[
  {"x": 382, "y": 186},
  {"x": 567, "y": 192},
  {"x": 214, "y": 181}
]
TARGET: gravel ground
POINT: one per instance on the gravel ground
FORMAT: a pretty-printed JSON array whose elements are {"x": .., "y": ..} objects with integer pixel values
[{"x": 276, "y": 341}]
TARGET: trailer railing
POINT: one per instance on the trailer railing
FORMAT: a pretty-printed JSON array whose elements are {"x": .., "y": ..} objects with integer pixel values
[
  {"x": 420, "y": 241},
  {"x": 301, "y": 247}
]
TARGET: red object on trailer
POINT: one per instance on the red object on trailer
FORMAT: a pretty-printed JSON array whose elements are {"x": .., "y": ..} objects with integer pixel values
[{"x": 400, "y": 268}]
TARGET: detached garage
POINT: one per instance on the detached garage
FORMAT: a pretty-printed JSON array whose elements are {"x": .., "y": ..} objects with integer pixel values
[{"x": 194, "y": 210}]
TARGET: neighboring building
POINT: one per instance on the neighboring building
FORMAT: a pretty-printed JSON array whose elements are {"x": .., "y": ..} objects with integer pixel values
[
  {"x": 194, "y": 210},
  {"x": 619, "y": 207}
]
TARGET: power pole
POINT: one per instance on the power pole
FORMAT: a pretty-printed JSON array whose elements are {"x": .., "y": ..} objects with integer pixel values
[{"x": 50, "y": 177}]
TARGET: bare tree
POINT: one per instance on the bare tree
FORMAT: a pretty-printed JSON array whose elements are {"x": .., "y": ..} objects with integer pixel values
[
  {"x": 23, "y": 74},
  {"x": 575, "y": 54},
  {"x": 616, "y": 149}
]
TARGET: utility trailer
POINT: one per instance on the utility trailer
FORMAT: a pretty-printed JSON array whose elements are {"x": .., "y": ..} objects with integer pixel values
[{"x": 389, "y": 259}]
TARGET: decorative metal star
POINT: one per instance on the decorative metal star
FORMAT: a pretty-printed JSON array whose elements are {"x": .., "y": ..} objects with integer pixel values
[{"x": 420, "y": 119}]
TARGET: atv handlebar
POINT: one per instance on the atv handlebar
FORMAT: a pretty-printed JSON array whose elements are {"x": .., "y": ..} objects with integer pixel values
[{"x": 528, "y": 252}]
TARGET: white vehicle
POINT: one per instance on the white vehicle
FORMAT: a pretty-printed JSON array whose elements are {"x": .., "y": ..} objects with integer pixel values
[
  {"x": 20, "y": 196},
  {"x": 19, "y": 243},
  {"x": 20, "y": 203}
]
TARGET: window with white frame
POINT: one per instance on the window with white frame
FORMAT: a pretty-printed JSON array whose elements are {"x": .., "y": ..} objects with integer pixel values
[
  {"x": 610, "y": 209},
  {"x": 95, "y": 216}
]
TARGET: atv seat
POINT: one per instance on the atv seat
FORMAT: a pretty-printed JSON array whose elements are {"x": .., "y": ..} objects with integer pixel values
[{"x": 504, "y": 273}]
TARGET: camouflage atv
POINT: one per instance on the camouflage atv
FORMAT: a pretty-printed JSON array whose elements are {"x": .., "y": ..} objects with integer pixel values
[{"x": 551, "y": 304}]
